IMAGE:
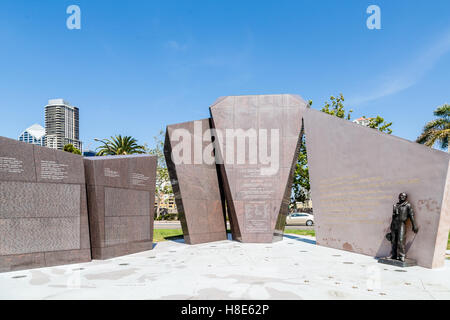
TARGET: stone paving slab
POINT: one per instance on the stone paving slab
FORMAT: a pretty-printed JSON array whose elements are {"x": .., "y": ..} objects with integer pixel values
[{"x": 294, "y": 268}]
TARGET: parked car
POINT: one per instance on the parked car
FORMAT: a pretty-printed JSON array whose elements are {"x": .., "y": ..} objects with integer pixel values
[{"x": 300, "y": 218}]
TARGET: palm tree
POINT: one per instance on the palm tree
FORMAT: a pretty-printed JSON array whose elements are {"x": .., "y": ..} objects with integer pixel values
[
  {"x": 119, "y": 145},
  {"x": 437, "y": 130}
]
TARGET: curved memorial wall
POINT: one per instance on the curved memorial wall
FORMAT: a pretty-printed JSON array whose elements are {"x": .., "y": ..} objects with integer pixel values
[
  {"x": 121, "y": 200},
  {"x": 43, "y": 212}
]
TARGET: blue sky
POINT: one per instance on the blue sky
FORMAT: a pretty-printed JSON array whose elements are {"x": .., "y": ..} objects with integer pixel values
[{"x": 136, "y": 66}]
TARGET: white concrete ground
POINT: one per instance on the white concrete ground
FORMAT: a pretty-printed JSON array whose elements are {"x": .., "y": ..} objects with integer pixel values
[{"x": 292, "y": 269}]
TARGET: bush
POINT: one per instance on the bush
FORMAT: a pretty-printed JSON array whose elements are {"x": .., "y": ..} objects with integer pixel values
[
  {"x": 70, "y": 148},
  {"x": 168, "y": 217},
  {"x": 304, "y": 210}
]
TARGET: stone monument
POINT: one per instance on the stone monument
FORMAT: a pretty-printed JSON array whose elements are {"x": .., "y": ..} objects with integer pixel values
[
  {"x": 356, "y": 173},
  {"x": 190, "y": 159},
  {"x": 258, "y": 140},
  {"x": 121, "y": 200},
  {"x": 43, "y": 212}
]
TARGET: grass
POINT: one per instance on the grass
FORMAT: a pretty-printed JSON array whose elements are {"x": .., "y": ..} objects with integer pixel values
[
  {"x": 172, "y": 234},
  {"x": 311, "y": 233},
  {"x": 167, "y": 234}
]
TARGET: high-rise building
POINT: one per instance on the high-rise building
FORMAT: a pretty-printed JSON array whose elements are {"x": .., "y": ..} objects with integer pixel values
[
  {"x": 34, "y": 135},
  {"x": 62, "y": 124}
]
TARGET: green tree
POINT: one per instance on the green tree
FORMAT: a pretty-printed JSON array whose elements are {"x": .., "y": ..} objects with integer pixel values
[
  {"x": 335, "y": 107},
  {"x": 119, "y": 145},
  {"x": 438, "y": 130},
  {"x": 70, "y": 148},
  {"x": 379, "y": 124},
  {"x": 163, "y": 186},
  {"x": 301, "y": 187}
]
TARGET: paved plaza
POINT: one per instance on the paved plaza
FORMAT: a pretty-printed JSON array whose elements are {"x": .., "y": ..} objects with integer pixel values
[{"x": 294, "y": 268}]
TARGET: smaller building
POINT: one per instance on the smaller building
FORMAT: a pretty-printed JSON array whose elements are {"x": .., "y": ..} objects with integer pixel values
[
  {"x": 89, "y": 153},
  {"x": 363, "y": 121},
  {"x": 169, "y": 204},
  {"x": 304, "y": 205},
  {"x": 34, "y": 135}
]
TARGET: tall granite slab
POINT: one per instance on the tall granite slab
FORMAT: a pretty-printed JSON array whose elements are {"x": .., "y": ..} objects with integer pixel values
[
  {"x": 258, "y": 140},
  {"x": 121, "y": 199},
  {"x": 195, "y": 181},
  {"x": 43, "y": 210},
  {"x": 356, "y": 174}
]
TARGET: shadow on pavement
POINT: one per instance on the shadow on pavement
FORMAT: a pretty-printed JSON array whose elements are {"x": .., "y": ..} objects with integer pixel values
[{"x": 297, "y": 238}]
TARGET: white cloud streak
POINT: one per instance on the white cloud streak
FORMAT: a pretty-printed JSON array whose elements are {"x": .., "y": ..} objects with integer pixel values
[
  {"x": 174, "y": 45},
  {"x": 408, "y": 74}
]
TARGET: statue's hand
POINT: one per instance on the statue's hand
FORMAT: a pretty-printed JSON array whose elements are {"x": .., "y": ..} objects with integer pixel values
[{"x": 416, "y": 229}]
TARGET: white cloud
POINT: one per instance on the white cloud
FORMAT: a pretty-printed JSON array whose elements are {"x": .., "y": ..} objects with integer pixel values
[
  {"x": 174, "y": 45},
  {"x": 408, "y": 74}
]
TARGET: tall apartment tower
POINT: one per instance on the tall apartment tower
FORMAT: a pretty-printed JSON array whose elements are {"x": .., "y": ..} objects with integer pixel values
[{"x": 62, "y": 124}]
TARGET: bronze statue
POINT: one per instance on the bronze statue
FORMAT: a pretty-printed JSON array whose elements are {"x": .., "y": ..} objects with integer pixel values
[{"x": 402, "y": 212}]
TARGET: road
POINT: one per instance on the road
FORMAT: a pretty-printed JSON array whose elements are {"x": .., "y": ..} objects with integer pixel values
[{"x": 177, "y": 225}]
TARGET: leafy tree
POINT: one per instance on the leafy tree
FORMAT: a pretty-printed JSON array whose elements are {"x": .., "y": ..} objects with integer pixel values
[
  {"x": 163, "y": 185},
  {"x": 438, "y": 130},
  {"x": 119, "y": 145},
  {"x": 70, "y": 148},
  {"x": 301, "y": 187},
  {"x": 335, "y": 107},
  {"x": 379, "y": 124}
]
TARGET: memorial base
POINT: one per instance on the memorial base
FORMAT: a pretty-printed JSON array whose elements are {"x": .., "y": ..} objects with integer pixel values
[
  {"x": 397, "y": 263},
  {"x": 204, "y": 237},
  {"x": 110, "y": 252},
  {"x": 43, "y": 260}
]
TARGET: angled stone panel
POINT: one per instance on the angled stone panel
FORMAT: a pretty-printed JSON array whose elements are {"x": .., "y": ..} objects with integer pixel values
[
  {"x": 444, "y": 226},
  {"x": 356, "y": 175},
  {"x": 43, "y": 210},
  {"x": 195, "y": 181},
  {"x": 121, "y": 197},
  {"x": 259, "y": 138}
]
